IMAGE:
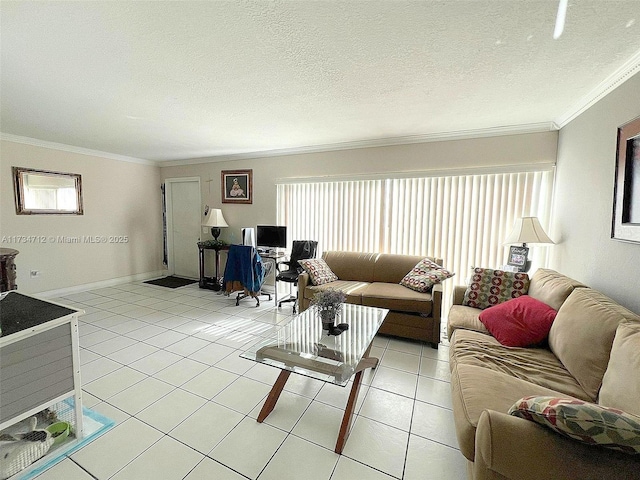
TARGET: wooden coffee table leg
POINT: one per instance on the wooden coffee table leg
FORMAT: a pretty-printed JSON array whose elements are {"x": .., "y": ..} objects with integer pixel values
[
  {"x": 273, "y": 396},
  {"x": 345, "y": 427}
]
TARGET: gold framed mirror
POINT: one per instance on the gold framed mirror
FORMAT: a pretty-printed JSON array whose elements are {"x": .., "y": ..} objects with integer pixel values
[{"x": 41, "y": 192}]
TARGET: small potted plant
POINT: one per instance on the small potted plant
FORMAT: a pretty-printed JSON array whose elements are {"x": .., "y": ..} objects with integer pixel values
[
  {"x": 328, "y": 303},
  {"x": 215, "y": 244}
]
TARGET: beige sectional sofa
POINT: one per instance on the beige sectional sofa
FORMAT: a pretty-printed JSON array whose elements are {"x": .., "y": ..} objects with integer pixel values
[
  {"x": 488, "y": 378},
  {"x": 373, "y": 279}
]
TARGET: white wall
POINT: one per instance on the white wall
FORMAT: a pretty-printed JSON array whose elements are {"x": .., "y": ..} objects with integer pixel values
[
  {"x": 458, "y": 154},
  {"x": 584, "y": 200},
  {"x": 120, "y": 199}
]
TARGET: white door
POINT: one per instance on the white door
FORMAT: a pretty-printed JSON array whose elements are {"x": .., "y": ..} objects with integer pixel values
[{"x": 183, "y": 226}]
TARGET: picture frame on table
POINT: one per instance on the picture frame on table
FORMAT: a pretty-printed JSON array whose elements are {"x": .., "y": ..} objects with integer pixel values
[
  {"x": 626, "y": 193},
  {"x": 237, "y": 186},
  {"x": 518, "y": 257}
]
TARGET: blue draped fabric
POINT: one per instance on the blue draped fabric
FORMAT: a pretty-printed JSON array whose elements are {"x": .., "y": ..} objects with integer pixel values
[{"x": 244, "y": 268}]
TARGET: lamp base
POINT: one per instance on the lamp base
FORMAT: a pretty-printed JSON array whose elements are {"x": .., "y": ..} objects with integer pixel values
[{"x": 215, "y": 233}]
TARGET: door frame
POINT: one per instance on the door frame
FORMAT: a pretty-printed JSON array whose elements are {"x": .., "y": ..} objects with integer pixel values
[{"x": 169, "y": 214}]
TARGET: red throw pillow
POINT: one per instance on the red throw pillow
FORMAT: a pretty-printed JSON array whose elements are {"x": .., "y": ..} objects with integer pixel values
[{"x": 521, "y": 322}]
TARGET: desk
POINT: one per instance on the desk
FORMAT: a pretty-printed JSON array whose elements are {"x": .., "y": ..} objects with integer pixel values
[
  {"x": 212, "y": 283},
  {"x": 273, "y": 257}
]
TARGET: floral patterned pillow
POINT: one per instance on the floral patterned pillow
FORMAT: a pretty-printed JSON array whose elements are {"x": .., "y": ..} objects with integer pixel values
[
  {"x": 586, "y": 422},
  {"x": 318, "y": 271},
  {"x": 490, "y": 287},
  {"x": 424, "y": 276}
]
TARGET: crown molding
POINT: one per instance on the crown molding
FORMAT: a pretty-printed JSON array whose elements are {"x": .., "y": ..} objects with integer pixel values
[
  {"x": 613, "y": 81},
  {"x": 381, "y": 142},
  {"x": 73, "y": 149},
  {"x": 617, "y": 78}
]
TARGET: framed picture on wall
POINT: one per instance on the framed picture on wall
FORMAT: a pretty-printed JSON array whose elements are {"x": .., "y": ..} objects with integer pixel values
[
  {"x": 626, "y": 196},
  {"x": 237, "y": 186}
]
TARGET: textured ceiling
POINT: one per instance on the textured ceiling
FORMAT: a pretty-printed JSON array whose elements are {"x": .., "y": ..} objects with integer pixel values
[{"x": 176, "y": 80}]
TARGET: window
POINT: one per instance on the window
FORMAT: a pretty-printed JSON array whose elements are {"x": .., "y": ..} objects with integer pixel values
[{"x": 463, "y": 219}]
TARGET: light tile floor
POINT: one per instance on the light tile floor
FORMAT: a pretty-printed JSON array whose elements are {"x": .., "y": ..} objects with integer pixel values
[{"x": 164, "y": 364}]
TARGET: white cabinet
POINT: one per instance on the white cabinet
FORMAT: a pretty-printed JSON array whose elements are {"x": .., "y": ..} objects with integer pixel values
[{"x": 39, "y": 361}]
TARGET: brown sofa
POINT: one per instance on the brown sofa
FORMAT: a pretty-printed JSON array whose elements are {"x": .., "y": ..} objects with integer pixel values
[
  {"x": 488, "y": 378},
  {"x": 373, "y": 279}
]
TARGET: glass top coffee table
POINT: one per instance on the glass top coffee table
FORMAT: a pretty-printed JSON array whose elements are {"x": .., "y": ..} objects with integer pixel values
[{"x": 301, "y": 346}]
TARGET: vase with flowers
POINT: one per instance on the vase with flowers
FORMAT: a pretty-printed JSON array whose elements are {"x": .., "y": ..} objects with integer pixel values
[{"x": 329, "y": 303}]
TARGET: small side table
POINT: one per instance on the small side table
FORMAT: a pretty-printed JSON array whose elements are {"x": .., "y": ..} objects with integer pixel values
[
  {"x": 7, "y": 269},
  {"x": 212, "y": 283}
]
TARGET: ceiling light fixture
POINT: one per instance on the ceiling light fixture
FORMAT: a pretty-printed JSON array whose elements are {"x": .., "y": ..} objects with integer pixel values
[{"x": 560, "y": 19}]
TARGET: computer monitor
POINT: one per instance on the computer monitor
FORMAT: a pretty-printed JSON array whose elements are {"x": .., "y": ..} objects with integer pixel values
[{"x": 271, "y": 236}]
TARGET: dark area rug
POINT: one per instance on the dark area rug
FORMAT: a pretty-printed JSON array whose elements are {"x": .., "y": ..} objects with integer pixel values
[{"x": 171, "y": 282}]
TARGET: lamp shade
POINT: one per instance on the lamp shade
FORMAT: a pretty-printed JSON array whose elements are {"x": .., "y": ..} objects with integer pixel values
[
  {"x": 215, "y": 219},
  {"x": 527, "y": 230}
]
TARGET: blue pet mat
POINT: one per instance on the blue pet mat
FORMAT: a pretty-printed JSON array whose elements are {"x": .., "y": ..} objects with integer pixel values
[{"x": 94, "y": 424}]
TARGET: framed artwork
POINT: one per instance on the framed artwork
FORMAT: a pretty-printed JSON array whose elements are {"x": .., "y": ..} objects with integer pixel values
[
  {"x": 626, "y": 192},
  {"x": 518, "y": 258},
  {"x": 237, "y": 186}
]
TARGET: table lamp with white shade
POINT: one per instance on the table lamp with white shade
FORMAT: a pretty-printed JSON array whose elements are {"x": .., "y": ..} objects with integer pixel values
[
  {"x": 215, "y": 220},
  {"x": 525, "y": 230}
]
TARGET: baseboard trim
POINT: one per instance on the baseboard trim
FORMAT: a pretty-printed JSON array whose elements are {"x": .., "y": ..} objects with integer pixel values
[{"x": 102, "y": 284}]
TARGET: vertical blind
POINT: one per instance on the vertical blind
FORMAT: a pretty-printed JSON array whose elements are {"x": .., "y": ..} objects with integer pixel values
[{"x": 462, "y": 219}]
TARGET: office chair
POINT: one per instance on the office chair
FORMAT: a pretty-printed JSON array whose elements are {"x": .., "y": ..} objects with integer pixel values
[
  {"x": 245, "y": 272},
  {"x": 300, "y": 250}
]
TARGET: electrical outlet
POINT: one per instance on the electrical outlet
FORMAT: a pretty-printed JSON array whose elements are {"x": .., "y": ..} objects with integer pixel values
[{"x": 34, "y": 273}]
